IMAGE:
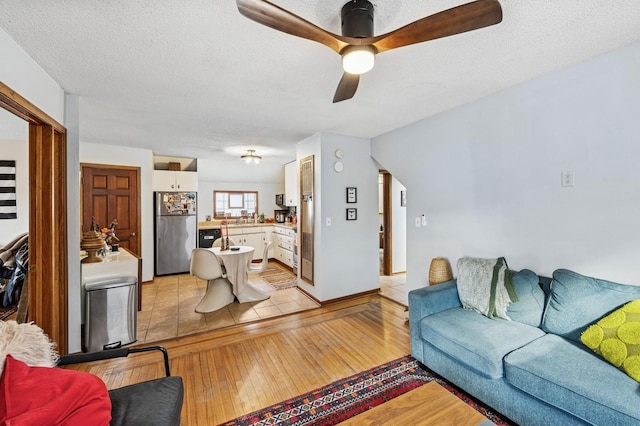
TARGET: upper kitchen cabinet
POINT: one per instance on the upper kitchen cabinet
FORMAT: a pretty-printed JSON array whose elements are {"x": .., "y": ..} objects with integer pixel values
[
  {"x": 168, "y": 180},
  {"x": 291, "y": 184},
  {"x": 173, "y": 174}
]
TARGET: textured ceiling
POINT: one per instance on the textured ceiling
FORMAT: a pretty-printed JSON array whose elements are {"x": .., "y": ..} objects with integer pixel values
[{"x": 197, "y": 79}]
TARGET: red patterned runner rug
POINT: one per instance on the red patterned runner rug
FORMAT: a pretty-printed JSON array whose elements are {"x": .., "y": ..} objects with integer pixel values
[{"x": 353, "y": 395}]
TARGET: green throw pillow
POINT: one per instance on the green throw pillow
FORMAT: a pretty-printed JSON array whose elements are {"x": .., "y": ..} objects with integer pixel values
[{"x": 616, "y": 337}]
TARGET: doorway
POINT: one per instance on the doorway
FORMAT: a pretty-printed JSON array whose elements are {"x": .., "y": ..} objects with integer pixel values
[
  {"x": 48, "y": 259},
  {"x": 392, "y": 237}
]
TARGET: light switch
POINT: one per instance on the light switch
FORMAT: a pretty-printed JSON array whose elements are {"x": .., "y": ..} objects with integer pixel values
[
  {"x": 567, "y": 178},
  {"x": 328, "y": 220}
]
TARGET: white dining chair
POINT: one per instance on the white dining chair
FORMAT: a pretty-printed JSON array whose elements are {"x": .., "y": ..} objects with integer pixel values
[
  {"x": 218, "y": 242},
  {"x": 206, "y": 266},
  {"x": 256, "y": 268}
]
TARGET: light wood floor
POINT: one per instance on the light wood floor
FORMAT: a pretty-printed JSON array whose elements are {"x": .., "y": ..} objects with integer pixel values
[{"x": 234, "y": 371}]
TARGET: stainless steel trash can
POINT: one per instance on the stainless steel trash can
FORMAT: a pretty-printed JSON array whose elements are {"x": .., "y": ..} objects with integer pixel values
[{"x": 111, "y": 313}]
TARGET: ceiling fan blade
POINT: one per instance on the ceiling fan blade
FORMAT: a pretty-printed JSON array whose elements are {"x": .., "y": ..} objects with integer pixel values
[
  {"x": 460, "y": 19},
  {"x": 266, "y": 13},
  {"x": 347, "y": 87}
]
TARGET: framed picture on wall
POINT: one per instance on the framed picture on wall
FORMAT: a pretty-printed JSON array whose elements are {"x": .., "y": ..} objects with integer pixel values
[
  {"x": 352, "y": 214},
  {"x": 403, "y": 198},
  {"x": 352, "y": 194}
]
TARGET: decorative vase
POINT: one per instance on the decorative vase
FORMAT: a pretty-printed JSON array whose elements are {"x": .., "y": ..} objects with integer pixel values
[
  {"x": 440, "y": 271},
  {"x": 91, "y": 243}
]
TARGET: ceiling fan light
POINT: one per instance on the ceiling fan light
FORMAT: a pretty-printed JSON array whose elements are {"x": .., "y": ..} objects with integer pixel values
[{"x": 358, "y": 60}]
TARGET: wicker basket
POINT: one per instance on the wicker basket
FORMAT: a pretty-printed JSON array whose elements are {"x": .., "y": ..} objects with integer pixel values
[
  {"x": 440, "y": 271},
  {"x": 174, "y": 166}
]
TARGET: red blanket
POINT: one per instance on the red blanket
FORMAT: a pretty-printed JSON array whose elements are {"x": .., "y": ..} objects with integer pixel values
[{"x": 51, "y": 396}]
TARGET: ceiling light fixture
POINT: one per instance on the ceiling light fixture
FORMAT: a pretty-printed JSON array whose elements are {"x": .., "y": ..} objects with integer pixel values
[
  {"x": 250, "y": 157},
  {"x": 358, "y": 59}
]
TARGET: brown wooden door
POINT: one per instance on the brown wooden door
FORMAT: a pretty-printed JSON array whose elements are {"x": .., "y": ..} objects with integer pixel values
[{"x": 112, "y": 192}]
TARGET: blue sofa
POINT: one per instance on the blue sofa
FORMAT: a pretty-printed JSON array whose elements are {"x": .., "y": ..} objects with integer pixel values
[{"x": 532, "y": 369}]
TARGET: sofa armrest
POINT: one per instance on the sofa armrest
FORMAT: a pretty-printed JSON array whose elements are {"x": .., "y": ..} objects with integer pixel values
[
  {"x": 433, "y": 299},
  {"x": 427, "y": 301},
  {"x": 113, "y": 353}
]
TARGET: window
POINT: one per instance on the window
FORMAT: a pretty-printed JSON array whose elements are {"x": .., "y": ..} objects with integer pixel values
[{"x": 235, "y": 204}]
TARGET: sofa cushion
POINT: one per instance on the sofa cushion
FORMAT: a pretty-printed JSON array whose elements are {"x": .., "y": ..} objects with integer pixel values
[
  {"x": 616, "y": 337},
  {"x": 567, "y": 376},
  {"x": 576, "y": 301},
  {"x": 529, "y": 308},
  {"x": 476, "y": 341}
]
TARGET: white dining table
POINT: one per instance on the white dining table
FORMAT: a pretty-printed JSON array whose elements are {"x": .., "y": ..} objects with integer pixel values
[{"x": 236, "y": 265}]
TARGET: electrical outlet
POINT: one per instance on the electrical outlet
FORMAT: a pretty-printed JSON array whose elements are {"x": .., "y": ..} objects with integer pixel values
[
  {"x": 418, "y": 222},
  {"x": 567, "y": 178}
]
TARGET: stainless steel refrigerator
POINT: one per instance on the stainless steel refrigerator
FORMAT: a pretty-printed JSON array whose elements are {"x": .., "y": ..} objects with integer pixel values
[{"x": 176, "y": 231}]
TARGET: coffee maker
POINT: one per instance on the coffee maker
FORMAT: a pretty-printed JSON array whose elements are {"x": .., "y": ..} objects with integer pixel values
[{"x": 281, "y": 215}]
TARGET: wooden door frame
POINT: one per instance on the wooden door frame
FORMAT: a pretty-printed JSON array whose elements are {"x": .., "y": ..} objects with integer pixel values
[
  {"x": 48, "y": 241},
  {"x": 83, "y": 228},
  {"x": 387, "y": 224}
]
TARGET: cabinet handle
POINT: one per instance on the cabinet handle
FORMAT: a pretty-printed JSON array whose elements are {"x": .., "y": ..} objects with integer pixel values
[{"x": 133, "y": 234}]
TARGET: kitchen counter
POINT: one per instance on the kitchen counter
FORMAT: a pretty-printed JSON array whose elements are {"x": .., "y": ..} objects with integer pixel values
[
  {"x": 286, "y": 225},
  {"x": 216, "y": 225},
  {"x": 116, "y": 264}
]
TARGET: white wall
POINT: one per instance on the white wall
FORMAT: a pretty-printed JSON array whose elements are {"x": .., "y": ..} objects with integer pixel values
[
  {"x": 17, "y": 150},
  {"x": 29, "y": 80},
  {"x": 270, "y": 169},
  {"x": 487, "y": 174},
  {"x": 72, "y": 123},
  {"x": 345, "y": 253},
  {"x": 134, "y": 157}
]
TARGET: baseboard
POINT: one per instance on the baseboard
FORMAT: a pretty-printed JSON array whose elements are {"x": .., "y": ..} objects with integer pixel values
[{"x": 374, "y": 292}]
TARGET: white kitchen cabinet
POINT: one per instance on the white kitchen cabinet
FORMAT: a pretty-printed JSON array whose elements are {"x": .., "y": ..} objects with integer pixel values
[
  {"x": 291, "y": 184},
  {"x": 235, "y": 234},
  {"x": 255, "y": 240},
  {"x": 169, "y": 180},
  {"x": 284, "y": 256},
  {"x": 283, "y": 241},
  {"x": 249, "y": 236}
]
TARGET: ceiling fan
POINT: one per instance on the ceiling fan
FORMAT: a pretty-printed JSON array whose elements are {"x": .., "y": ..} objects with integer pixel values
[{"x": 357, "y": 45}]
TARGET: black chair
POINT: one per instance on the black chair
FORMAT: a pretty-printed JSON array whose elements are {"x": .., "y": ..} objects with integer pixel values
[{"x": 154, "y": 402}]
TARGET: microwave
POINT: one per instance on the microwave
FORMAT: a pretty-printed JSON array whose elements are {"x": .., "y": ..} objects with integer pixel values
[{"x": 280, "y": 199}]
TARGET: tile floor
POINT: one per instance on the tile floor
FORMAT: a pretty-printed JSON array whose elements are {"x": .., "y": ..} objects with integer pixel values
[
  {"x": 168, "y": 307},
  {"x": 394, "y": 287}
]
